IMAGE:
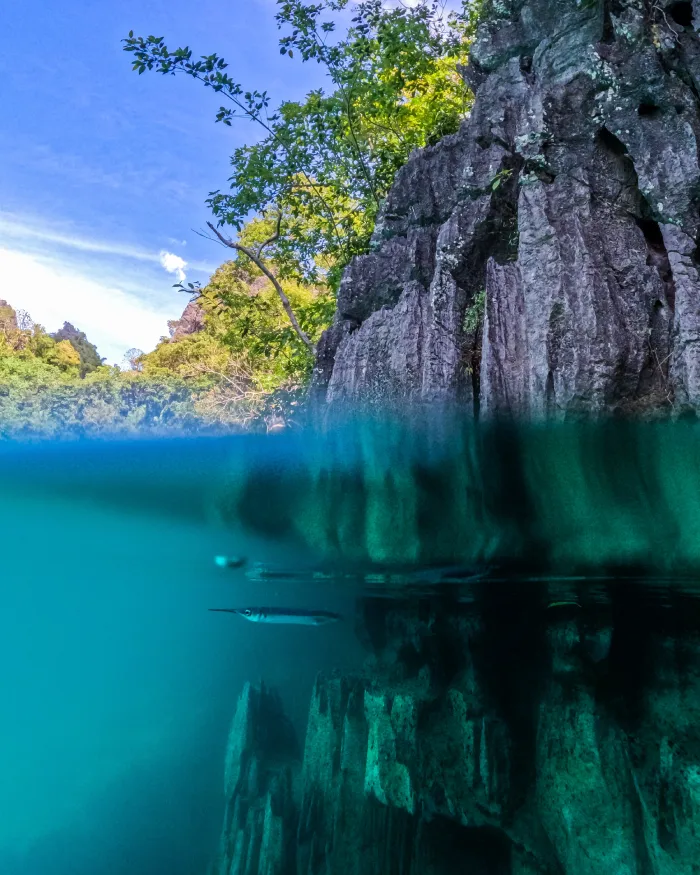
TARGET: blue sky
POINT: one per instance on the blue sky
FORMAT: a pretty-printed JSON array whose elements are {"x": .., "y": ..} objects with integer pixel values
[{"x": 104, "y": 172}]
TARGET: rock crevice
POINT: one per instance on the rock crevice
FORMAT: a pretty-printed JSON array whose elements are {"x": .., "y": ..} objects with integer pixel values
[
  {"x": 569, "y": 202},
  {"x": 569, "y": 745}
]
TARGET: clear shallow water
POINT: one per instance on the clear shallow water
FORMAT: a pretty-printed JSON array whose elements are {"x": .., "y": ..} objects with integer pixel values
[{"x": 117, "y": 685}]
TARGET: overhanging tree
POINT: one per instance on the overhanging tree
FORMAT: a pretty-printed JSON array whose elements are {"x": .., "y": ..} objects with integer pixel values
[{"x": 323, "y": 165}]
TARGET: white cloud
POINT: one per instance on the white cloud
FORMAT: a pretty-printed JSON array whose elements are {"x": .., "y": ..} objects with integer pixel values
[
  {"x": 24, "y": 231},
  {"x": 113, "y": 319},
  {"x": 115, "y": 292},
  {"x": 174, "y": 264}
]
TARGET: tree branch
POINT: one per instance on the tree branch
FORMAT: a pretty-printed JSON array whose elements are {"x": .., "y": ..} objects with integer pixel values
[
  {"x": 274, "y": 237},
  {"x": 260, "y": 264}
]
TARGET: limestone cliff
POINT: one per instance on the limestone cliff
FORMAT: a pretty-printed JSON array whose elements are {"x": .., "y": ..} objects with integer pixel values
[
  {"x": 540, "y": 263},
  {"x": 570, "y": 198},
  {"x": 261, "y": 761}
]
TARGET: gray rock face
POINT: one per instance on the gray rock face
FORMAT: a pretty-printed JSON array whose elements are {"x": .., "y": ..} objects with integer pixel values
[
  {"x": 191, "y": 321},
  {"x": 570, "y": 197}
]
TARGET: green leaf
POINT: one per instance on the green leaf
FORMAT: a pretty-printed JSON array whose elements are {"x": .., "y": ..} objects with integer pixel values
[{"x": 328, "y": 160}]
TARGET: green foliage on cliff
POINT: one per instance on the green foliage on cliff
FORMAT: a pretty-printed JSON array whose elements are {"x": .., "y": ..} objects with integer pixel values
[
  {"x": 326, "y": 163},
  {"x": 47, "y": 388},
  {"x": 242, "y": 367},
  {"x": 90, "y": 359}
]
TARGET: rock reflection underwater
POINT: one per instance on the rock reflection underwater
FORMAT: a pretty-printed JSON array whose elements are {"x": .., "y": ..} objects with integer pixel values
[
  {"x": 527, "y": 603},
  {"x": 543, "y": 715}
]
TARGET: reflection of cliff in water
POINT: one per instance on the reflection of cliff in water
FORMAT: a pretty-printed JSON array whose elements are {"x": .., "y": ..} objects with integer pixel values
[
  {"x": 510, "y": 734},
  {"x": 528, "y": 601},
  {"x": 378, "y": 497}
]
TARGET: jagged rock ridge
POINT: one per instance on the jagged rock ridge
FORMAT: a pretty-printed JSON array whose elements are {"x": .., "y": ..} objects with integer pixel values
[
  {"x": 262, "y": 759},
  {"x": 498, "y": 739},
  {"x": 191, "y": 321},
  {"x": 570, "y": 197},
  {"x": 90, "y": 358}
]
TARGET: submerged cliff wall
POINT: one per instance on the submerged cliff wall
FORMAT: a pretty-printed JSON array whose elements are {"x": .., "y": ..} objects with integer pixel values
[
  {"x": 568, "y": 202},
  {"x": 502, "y": 737}
]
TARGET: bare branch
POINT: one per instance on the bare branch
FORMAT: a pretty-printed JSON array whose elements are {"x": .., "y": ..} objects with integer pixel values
[
  {"x": 201, "y": 234},
  {"x": 260, "y": 264},
  {"x": 274, "y": 237}
]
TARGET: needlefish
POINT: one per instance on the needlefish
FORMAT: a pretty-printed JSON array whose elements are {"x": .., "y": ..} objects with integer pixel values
[{"x": 294, "y": 616}]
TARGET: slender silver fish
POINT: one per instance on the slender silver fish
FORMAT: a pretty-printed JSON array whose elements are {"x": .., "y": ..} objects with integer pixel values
[{"x": 296, "y": 616}]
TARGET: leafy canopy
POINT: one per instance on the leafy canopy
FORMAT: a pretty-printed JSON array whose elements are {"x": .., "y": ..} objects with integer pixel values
[
  {"x": 246, "y": 354},
  {"x": 241, "y": 365},
  {"x": 325, "y": 164},
  {"x": 48, "y": 389}
]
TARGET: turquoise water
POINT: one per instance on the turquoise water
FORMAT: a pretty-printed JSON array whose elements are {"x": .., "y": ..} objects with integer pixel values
[
  {"x": 117, "y": 686},
  {"x": 607, "y": 499}
]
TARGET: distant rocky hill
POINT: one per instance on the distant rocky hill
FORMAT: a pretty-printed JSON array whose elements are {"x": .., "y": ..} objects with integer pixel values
[
  {"x": 191, "y": 321},
  {"x": 90, "y": 359}
]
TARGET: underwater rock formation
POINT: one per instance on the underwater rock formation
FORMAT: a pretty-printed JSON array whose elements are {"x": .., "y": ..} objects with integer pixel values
[
  {"x": 568, "y": 201},
  {"x": 261, "y": 816},
  {"x": 499, "y": 736}
]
